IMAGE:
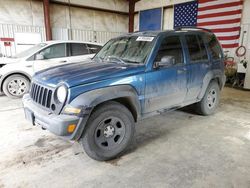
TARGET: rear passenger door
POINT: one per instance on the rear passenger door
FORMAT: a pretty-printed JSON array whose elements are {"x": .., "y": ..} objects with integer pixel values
[
  {"x": 78, "y": 52},
  {"x": 198, "y": 64}
]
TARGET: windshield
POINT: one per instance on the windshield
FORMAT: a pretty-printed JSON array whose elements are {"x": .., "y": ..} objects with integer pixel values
[
  {"x": 30, "y": 51},
  {"x": 132, "y": 49}
]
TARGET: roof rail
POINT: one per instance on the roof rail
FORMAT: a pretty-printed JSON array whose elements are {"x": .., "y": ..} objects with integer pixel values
[{"x": 192, "y": 27}]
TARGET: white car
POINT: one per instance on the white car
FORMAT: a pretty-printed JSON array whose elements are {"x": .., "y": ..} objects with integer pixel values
[{"x": 16, "y": 72}]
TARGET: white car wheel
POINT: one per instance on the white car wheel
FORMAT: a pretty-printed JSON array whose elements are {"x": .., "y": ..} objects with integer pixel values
[{"x": 16, "y": 86}]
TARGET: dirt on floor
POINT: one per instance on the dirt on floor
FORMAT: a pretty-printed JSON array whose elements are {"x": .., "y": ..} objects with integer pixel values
[{"x": 176, "y": 149}]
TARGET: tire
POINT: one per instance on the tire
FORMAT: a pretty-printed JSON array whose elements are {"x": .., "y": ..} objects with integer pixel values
[
  {"x": 210, "y": 100},
  {"x": 109, "y": 132},
  {"x": 15, "y": 86}
]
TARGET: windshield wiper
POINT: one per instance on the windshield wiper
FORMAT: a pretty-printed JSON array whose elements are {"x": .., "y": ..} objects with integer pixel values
[
  {"x": 129, "y": 61},
  {"x": 115, "y": 59}
]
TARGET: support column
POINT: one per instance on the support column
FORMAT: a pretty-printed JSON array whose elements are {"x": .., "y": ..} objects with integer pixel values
[
  {"x": 47, "y": 19},
  {"x": 131, "y": 15}
]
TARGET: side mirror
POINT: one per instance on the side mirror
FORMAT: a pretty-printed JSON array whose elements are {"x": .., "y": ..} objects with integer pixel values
[
  {"x": 166, "y": 61},
  {"x": 39, "y": 57}
]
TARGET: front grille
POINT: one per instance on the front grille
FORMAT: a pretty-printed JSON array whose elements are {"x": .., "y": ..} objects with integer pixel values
[{"x": 41, "y": 95}]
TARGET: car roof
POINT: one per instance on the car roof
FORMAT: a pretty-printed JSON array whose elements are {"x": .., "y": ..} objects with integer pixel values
[
  {"x": 161, "y": 32},
  {"x": 70, "y": 41}
]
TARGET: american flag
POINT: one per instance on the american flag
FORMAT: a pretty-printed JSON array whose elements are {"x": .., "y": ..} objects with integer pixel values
[{"x": 223, "y": 17}]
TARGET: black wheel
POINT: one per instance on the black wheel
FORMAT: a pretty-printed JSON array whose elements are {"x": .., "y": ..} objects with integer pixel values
[
  {"x": 16, "y": 86},
  {"x": 109, "y": 132},
  {"x": 210, "y": 101}
]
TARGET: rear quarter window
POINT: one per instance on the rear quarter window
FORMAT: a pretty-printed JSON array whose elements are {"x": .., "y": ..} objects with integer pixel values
[
  {"x": 196, "y": 48},
  {"x": 214, "y": 46},
  {"x": 78, "y": 49}
]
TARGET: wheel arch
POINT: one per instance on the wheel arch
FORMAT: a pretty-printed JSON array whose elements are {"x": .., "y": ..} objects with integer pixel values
[
  {"x": 216, "y": 75},
  {"x": 124, "y": 94},
  {"x": 91, "y": 100}
]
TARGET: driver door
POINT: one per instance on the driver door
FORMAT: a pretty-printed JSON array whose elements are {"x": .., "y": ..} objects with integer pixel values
[
  {"x": 51, "y": 56},
  {"x": 166, "y": 86}
]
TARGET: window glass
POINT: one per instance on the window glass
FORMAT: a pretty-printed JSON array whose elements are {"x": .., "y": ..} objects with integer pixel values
[
  {"x": 131, "y": 49},
  {"x": 196, "y": 48},
  {"x": 54, "y": 51},
  {"x": 171, "y": 46},
  {"x": 214, "y": 46},
  {"x": 93, "y": 48},
  {"x": 78, "y": 49}
]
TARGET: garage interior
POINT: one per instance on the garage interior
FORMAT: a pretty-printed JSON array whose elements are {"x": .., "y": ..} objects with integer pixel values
[{"x": 174, "y": 149}]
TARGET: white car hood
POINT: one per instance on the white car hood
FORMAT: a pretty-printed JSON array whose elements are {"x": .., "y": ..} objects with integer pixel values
[{"x": 7, "y": 60}]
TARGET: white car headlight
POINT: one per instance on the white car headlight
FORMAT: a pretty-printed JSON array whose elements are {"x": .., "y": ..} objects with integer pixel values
[{"x": 61, "y": 94}]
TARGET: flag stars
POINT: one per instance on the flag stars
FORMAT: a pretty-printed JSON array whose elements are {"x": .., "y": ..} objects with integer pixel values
[{"x": 185, "y": 14}]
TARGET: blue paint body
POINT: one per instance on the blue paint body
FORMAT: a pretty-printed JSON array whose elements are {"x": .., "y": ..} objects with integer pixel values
[{"x": 156, "y": 89}]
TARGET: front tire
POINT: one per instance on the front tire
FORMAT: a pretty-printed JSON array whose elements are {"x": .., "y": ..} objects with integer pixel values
[
  {"x": 210, "y": 100},
  {"x": 15, "y": 86},
  {"x": 110, "y": 130}
]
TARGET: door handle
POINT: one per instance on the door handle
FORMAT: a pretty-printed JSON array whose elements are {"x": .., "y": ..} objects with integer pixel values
[{"x": 180, "y": 71}]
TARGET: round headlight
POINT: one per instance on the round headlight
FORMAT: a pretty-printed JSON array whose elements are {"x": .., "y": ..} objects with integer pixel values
[{"x": 61, "y": 94}]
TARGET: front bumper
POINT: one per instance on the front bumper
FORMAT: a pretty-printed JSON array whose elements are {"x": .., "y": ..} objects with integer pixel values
[{"x": 57, "y": 124}]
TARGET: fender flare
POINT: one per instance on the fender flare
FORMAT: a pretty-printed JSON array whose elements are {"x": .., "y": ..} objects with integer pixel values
[
  {"x": 217, "y": 75},
  {"x": 95, "y": 97}
]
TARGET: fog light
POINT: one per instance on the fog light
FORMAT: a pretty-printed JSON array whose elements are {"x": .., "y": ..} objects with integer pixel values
[
  {"x": 72, "y": 110},
  {"x": 71, "y": 128}
]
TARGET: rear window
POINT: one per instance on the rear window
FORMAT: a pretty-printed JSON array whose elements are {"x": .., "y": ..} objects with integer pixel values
[
  {"x": 78, "y": 49},
  {"x": 214, "y": 46},
  {"x": 196, "y": 48}
]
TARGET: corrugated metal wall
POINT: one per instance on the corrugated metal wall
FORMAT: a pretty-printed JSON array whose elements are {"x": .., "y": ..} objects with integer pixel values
[
  {"x": 68, "y": 23},
  {"x": 9, "y": 30},
  {"x": 83, "y": 35}
]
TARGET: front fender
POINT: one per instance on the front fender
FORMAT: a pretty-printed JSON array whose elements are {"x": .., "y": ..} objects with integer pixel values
[{"x": 95, "y": 97}]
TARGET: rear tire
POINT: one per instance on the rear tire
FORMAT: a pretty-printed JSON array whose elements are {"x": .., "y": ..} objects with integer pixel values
[
  {"x": 109, "y": 132},
  {"x": 15, "y": 86},
  {"x": 210, "y": 100}
]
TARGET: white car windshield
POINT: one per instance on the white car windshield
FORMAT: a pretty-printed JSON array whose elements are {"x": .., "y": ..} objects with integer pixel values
[
  {"x": 131, "y": 49},
  {"x": 30, "y": 51}
]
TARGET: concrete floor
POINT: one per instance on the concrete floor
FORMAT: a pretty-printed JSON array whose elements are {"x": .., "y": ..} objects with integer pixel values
[{"x": 178, "y": 149}]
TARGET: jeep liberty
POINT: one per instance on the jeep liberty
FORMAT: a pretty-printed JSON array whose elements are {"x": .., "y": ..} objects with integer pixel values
[{"x": 132, "y": 77}]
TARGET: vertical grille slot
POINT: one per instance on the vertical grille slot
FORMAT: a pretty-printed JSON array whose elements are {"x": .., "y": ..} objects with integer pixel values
[
  {"x": 44, "y": 96},
  {"x": 41, "y": 95},
  {"x": 49, "y": 99}
]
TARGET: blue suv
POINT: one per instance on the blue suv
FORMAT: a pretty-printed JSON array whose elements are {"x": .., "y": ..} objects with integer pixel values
[{"x": 132, "y": 77}]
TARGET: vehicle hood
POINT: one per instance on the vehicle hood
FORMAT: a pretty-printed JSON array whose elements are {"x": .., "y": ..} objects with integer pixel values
[
  {"x": 84, "y": 72},
  {"x": 7, "y": 60}
]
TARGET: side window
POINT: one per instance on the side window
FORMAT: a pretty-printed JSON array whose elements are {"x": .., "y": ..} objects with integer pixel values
[
  {"x": 214, "y": 46},
  {"x": 54, "y": 51},
  {"x": 196, "y": 48},
  {"x": 78, "y": 49},
  {"x": 93, "y": 49},
  {"x": 171, "y": 46}
]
